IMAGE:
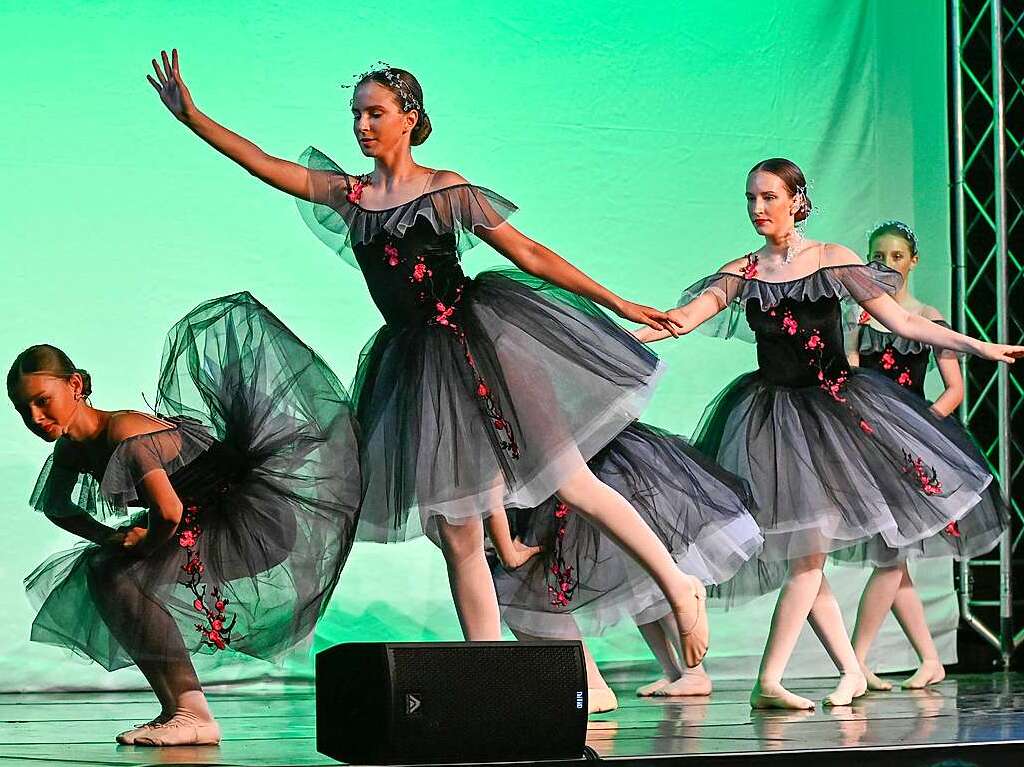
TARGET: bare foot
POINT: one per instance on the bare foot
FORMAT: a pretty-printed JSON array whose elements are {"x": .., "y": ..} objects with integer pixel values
[
  {"x": 600, "y": 700},
  {"x": 182, "y": 729},
  {"x": 930, "y": 672},
  {"x": 693, "y": 682},
  {"x": 875, "y": 682},
  {"x": 650, "y": 689},
  {"x": 774, "y": 695},
  {"x": 851, "y": 685},
  {"x": 694, "y": 617}
]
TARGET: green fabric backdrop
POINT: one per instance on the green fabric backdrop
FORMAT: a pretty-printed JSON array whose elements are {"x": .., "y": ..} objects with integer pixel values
[{"x": 624, "y": 132}]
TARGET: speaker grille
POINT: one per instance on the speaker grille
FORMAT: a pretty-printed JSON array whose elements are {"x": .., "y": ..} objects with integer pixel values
[{"x": 487, "y": 700}]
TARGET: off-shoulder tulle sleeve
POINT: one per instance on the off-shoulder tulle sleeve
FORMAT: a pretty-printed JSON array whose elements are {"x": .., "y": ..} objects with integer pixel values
[
  {"x": 862, "y": 282},
  {"x": 729, "y": 289},
  {"x": 338, "y": 222},
  {"x": 850, "y": 283},
  {"x": 135, "y": 457},
  {"x": 65, "y": 490}
]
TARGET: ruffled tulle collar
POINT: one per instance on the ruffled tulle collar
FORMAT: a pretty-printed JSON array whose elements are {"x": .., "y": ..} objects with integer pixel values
[
  {"x": 823, "y": 282},
  {"x": 335, "y": 216}
]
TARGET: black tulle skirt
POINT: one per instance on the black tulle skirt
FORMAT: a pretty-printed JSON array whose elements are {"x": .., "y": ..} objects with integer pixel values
[
  {"x": 698, "y": 511},
  {"x": 827, "y": 476},
  {"x": 975, "y": 533},
  {"x": 500, "y": 414},
  {"x": 260, "y": 447}
]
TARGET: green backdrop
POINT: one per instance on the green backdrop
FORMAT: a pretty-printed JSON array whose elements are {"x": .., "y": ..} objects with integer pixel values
[{"x": 623, "y": 131}]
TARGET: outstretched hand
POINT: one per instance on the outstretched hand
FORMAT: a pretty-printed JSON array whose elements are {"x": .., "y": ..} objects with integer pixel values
[
  {"x": 169, "y": 85},
  {"x": 646, "y": 315},
  {"x": 1001, "y": 352}
]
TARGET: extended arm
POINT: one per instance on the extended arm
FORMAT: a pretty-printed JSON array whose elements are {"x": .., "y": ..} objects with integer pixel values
[
  {"x": 542, "y": 262},
  {"x": 289, "y": 177}
]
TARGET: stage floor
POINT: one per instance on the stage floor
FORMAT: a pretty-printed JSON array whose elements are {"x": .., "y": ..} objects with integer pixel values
[{"x": 274, "y": 726}]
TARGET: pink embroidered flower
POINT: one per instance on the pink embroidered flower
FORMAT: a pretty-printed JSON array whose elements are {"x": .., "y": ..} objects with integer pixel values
[
  {"x": 221, "y": 603},
  {"x": 789, "y": 324},
  {"x": 864, "y": 318},
  {"x": 814, "y": 342},
  {"x": 443, "y": 313},
  {"x": 904, "y": 379},
  {"x": 217, "y": 624},
  {"x": 888, "y": 360},
  {"x": 482, "y": 390},
  {"x": 198, "y": 604},
  {"x": 953, "y": 529},
  {"x": 561, "y": 511},
  {"x": 392, "y": 254},
  {"x": 217, "y": 639},
  {"x": 833, "y": 388},
  {"x": 356, "y": 192},
  {"x": 749, "y": 271},
  {"x": 187, "y": 539},
  {"x": 420, "y": 272},
  {"x": 930, "y": 484},
  {"x": 866, "y": 427},
  {"x": 499, "y": 424}
]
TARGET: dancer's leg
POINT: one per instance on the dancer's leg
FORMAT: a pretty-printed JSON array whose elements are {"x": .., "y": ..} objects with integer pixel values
[
  {"x": 150, "y": 635},
  {"x": 662, "y": 648},
  {"x": 621, "y": 522},
  {"x": 909, "y": 611},
  {"x": 827, "y": 621},
  {"x": 791, "y": 610},
  {"x": 469, "y": 578},
  {"x": 678, "y": 680},
  {"x": 875, "y": 603}
]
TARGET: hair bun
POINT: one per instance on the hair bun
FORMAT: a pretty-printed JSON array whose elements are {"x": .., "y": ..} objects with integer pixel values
[
  {"x": 421, "y": 131},
  {"x": 86, "y": 382}
]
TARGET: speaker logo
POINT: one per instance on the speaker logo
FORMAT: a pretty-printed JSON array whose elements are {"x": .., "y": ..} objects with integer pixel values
[
  {"x": 579, "y": 699},
  {"x": 413, "y": 703}
]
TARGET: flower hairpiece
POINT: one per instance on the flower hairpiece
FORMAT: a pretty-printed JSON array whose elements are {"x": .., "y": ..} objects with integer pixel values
[{"x": 395, "y": 82}]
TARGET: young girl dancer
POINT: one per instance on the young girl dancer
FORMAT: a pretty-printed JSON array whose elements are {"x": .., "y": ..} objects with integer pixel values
[
  {"x": 478, "y": 393},
  {"x": 248, "y": 485},
  {"x": 834, "y": 455},
  {"x": 906, "y": 362}
]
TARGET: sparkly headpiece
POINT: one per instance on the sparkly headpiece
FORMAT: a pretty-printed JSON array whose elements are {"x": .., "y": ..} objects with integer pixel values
[
  {"x": 394, "y": 81},
  {"x": 905, "y": 231}
]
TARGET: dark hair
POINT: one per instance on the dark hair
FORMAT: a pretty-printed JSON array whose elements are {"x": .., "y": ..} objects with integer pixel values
[
  {"x": 409, "y": 94},
  {"x": 896, "y": 229},
  {"x": 792, "y": 177},
  {"x": 44, "y": 358}
]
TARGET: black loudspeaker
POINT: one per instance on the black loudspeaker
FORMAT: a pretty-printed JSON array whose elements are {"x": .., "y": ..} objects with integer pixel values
[{"x": 432, "y": 702}]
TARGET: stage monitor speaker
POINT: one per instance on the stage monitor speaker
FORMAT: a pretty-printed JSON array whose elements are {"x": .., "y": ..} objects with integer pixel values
[{"x": 434, "y": 702}]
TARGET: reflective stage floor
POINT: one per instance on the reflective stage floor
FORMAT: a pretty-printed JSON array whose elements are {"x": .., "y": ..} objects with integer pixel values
[{"x": 977, "y": 719}]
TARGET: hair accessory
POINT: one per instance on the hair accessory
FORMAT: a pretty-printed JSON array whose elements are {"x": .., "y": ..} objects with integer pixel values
[
  {"x": 899, "y": 226},
  {"x": 394, "y": 81}
]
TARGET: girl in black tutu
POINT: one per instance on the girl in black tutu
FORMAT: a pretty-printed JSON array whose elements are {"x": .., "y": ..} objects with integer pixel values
[
  {"x": 247, "y": 489},
  {"x": 834, "y": 455},
  {"x": 697, "y": 510},
  {"x": 477, "y": 393},
  {"x": 906, "y": 362}
]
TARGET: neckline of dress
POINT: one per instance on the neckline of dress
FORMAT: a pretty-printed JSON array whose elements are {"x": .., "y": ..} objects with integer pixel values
[
  {"x": 410, "y": 201},
  {"x": 796, "y": 279}
]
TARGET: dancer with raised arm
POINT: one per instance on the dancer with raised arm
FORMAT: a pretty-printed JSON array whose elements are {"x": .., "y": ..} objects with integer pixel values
[
  {"x": 834, "y": 455},
  {"x": 478, "y": 393}
]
